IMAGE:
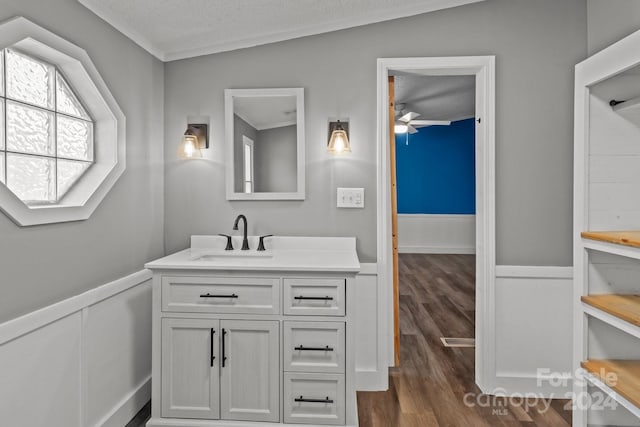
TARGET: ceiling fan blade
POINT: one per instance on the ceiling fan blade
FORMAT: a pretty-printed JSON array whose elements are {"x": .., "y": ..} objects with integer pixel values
[
  {"x": 423, "y": 123},
  {"x": 411, "y": 129},
  {"x": 408, "y": 117}
]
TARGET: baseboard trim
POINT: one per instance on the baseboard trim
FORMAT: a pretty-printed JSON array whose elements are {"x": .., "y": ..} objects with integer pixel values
[
  {"x": 22, "y": 325},
  {"x": 461, "y": 250},
  {"x": 534, "y": 272},
  {"x": 526, "y": 385},
  {"x": 372, "y": 380},
  {"x": 130, "y": 404}
]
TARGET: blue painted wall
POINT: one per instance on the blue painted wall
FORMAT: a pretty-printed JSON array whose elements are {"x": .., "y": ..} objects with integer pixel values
[{"x": 436, "y": 170}]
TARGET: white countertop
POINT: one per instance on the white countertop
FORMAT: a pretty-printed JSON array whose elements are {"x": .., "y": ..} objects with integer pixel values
[{"x": 284, "y": 253}]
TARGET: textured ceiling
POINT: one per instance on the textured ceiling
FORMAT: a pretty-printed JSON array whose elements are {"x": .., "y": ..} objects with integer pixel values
[
  {"x": 176, "y": 29},
  {"x": 266, "y": 112},
  {"x": 436, "y": 97}
]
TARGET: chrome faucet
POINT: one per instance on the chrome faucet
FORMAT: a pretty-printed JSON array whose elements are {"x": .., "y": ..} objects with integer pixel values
[{"x": 245, "y": 242}]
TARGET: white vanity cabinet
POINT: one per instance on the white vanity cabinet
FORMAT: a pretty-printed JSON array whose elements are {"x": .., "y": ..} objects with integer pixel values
[
  {"x": 250, "y": 377},
  {"x": 190, "y": 374},
  {"x": 204, "y": 378},
  {"x": 253, "y": 345}
]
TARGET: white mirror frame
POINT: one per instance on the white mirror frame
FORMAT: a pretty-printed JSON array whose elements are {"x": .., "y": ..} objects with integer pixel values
[{"x": 229, "y": 95}]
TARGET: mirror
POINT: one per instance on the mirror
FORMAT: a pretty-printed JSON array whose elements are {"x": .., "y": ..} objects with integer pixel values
[{"x": 265, "y": 144}]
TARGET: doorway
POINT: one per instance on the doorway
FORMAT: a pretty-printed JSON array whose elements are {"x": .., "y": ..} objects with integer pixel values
[{"x": 482, "y": 67}]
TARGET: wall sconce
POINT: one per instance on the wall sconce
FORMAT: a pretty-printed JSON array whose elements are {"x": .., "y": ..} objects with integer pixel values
[
  {"x": 194, "y": 139},
  {"x": 338, "y": 138}
]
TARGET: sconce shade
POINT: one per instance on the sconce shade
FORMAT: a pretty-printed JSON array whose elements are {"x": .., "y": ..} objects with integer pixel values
[
  {"x": 194, "y": 138},
  {"x": 188, "y": 148},
  {"x": 339, "y": 138}
]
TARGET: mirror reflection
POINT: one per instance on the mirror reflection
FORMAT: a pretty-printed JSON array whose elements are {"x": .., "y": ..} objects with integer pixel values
[{"x": 264, "y": 142}]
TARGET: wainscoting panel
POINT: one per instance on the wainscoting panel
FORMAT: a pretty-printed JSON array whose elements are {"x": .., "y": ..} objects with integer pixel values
[
  {"x": 533, "y": 325},
  {"x": 85, "y": 361},
  {"x": 436, "y": 234},
  {"x": 371, "y": 363},
  {"x": 118, "y": 339},
  {"x": 39, "y": 376}
]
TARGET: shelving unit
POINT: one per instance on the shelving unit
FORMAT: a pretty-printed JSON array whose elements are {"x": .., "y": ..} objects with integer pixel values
[
  {"x": 607, "y": 236},
  {"x": 619, "y": 379},
  {"x": 623, "y": 307}
]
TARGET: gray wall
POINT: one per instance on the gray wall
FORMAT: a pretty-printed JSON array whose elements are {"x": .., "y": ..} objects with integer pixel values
[
  {"x": 275, "y": 160},
  {"x": 536, "y": 43},
  {"x": 610, "y": 21},
  {"x": 45, "y": 264}
]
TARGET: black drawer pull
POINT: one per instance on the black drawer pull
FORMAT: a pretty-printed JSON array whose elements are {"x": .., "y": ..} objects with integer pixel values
[
  {"x": 302, "y": 399},
  {"x": 212, "y": 356},
  {"x": 224, "y": 356},
  {"x": 208, "y": 295},
  {"x": 303, "y": 348},
  {"x": 315, "y": 298}
]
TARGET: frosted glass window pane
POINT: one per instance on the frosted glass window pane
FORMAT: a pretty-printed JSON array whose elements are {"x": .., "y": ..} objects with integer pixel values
[
  {"x": 31, "y": 178},
  {"x": 1, "y": 72},
  {"x": 29, "y": 80},
  {"x": 2, "y": 168},
  {"x": 30, "y": 130},
  {"x": 75, "y": 138},
  {"x": 68, "y": 173},
  {"x": 1, "y": 124},
  {"x": 66, "y": 101}
]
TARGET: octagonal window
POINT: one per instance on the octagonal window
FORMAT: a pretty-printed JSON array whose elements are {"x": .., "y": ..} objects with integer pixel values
[
  {"x": 48, "y": 134},
  {"x": 62, "y": 133}
]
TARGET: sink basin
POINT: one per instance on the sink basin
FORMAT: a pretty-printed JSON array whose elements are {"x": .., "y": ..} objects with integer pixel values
[{"x": 235, "y": 254}]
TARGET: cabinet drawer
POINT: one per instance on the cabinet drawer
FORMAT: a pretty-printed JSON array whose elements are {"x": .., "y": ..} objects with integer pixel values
[
  {"x": 221, "y": 295},
  {"x": 314, "y": 347},
  {"x": 314, "y": 297},
  {"x": 314, "y": 398}
]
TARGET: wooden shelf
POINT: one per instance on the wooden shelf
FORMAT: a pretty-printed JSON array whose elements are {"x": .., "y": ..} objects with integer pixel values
[
  {"x": 626, "y": 238},
  {"x": 625, "y": 307},
  {"x": 623, "y": 243},
  {"x": 620, "y": 379}
]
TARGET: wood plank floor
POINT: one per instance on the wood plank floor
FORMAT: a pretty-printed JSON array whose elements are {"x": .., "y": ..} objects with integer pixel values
[{"x": 428, "y": 389}]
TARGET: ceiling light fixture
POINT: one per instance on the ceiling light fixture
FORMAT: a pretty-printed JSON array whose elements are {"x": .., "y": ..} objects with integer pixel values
[{"x": 400, "y": 127}]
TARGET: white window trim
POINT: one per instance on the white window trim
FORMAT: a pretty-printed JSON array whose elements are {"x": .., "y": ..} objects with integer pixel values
[{"x": 109, "y": 134}]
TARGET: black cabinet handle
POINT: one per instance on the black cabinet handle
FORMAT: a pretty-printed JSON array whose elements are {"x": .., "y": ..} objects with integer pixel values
[
  {"x": 314, "y": 298},
  {"x": 302, "y": 399},
  {"x": 224, "y": 357},
  {"x": 212, "y": 356},
  {"x": 208, "y": 295},
  {"x": 303, "y": 348}
]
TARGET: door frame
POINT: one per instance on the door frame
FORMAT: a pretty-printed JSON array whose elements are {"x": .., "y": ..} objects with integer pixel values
[{"x": 483, "y": 67}]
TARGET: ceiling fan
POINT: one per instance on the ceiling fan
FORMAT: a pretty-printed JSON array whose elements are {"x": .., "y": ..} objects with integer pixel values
[{"x": 406, "y": 123}]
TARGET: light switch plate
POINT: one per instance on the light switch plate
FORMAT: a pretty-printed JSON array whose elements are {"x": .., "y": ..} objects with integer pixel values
[{"x": 350, "y": 198}]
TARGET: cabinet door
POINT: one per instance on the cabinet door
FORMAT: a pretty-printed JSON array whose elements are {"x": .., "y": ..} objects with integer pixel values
[
  {"x": 250, "y": 366},
  {"x": 190, "y": 368}
]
